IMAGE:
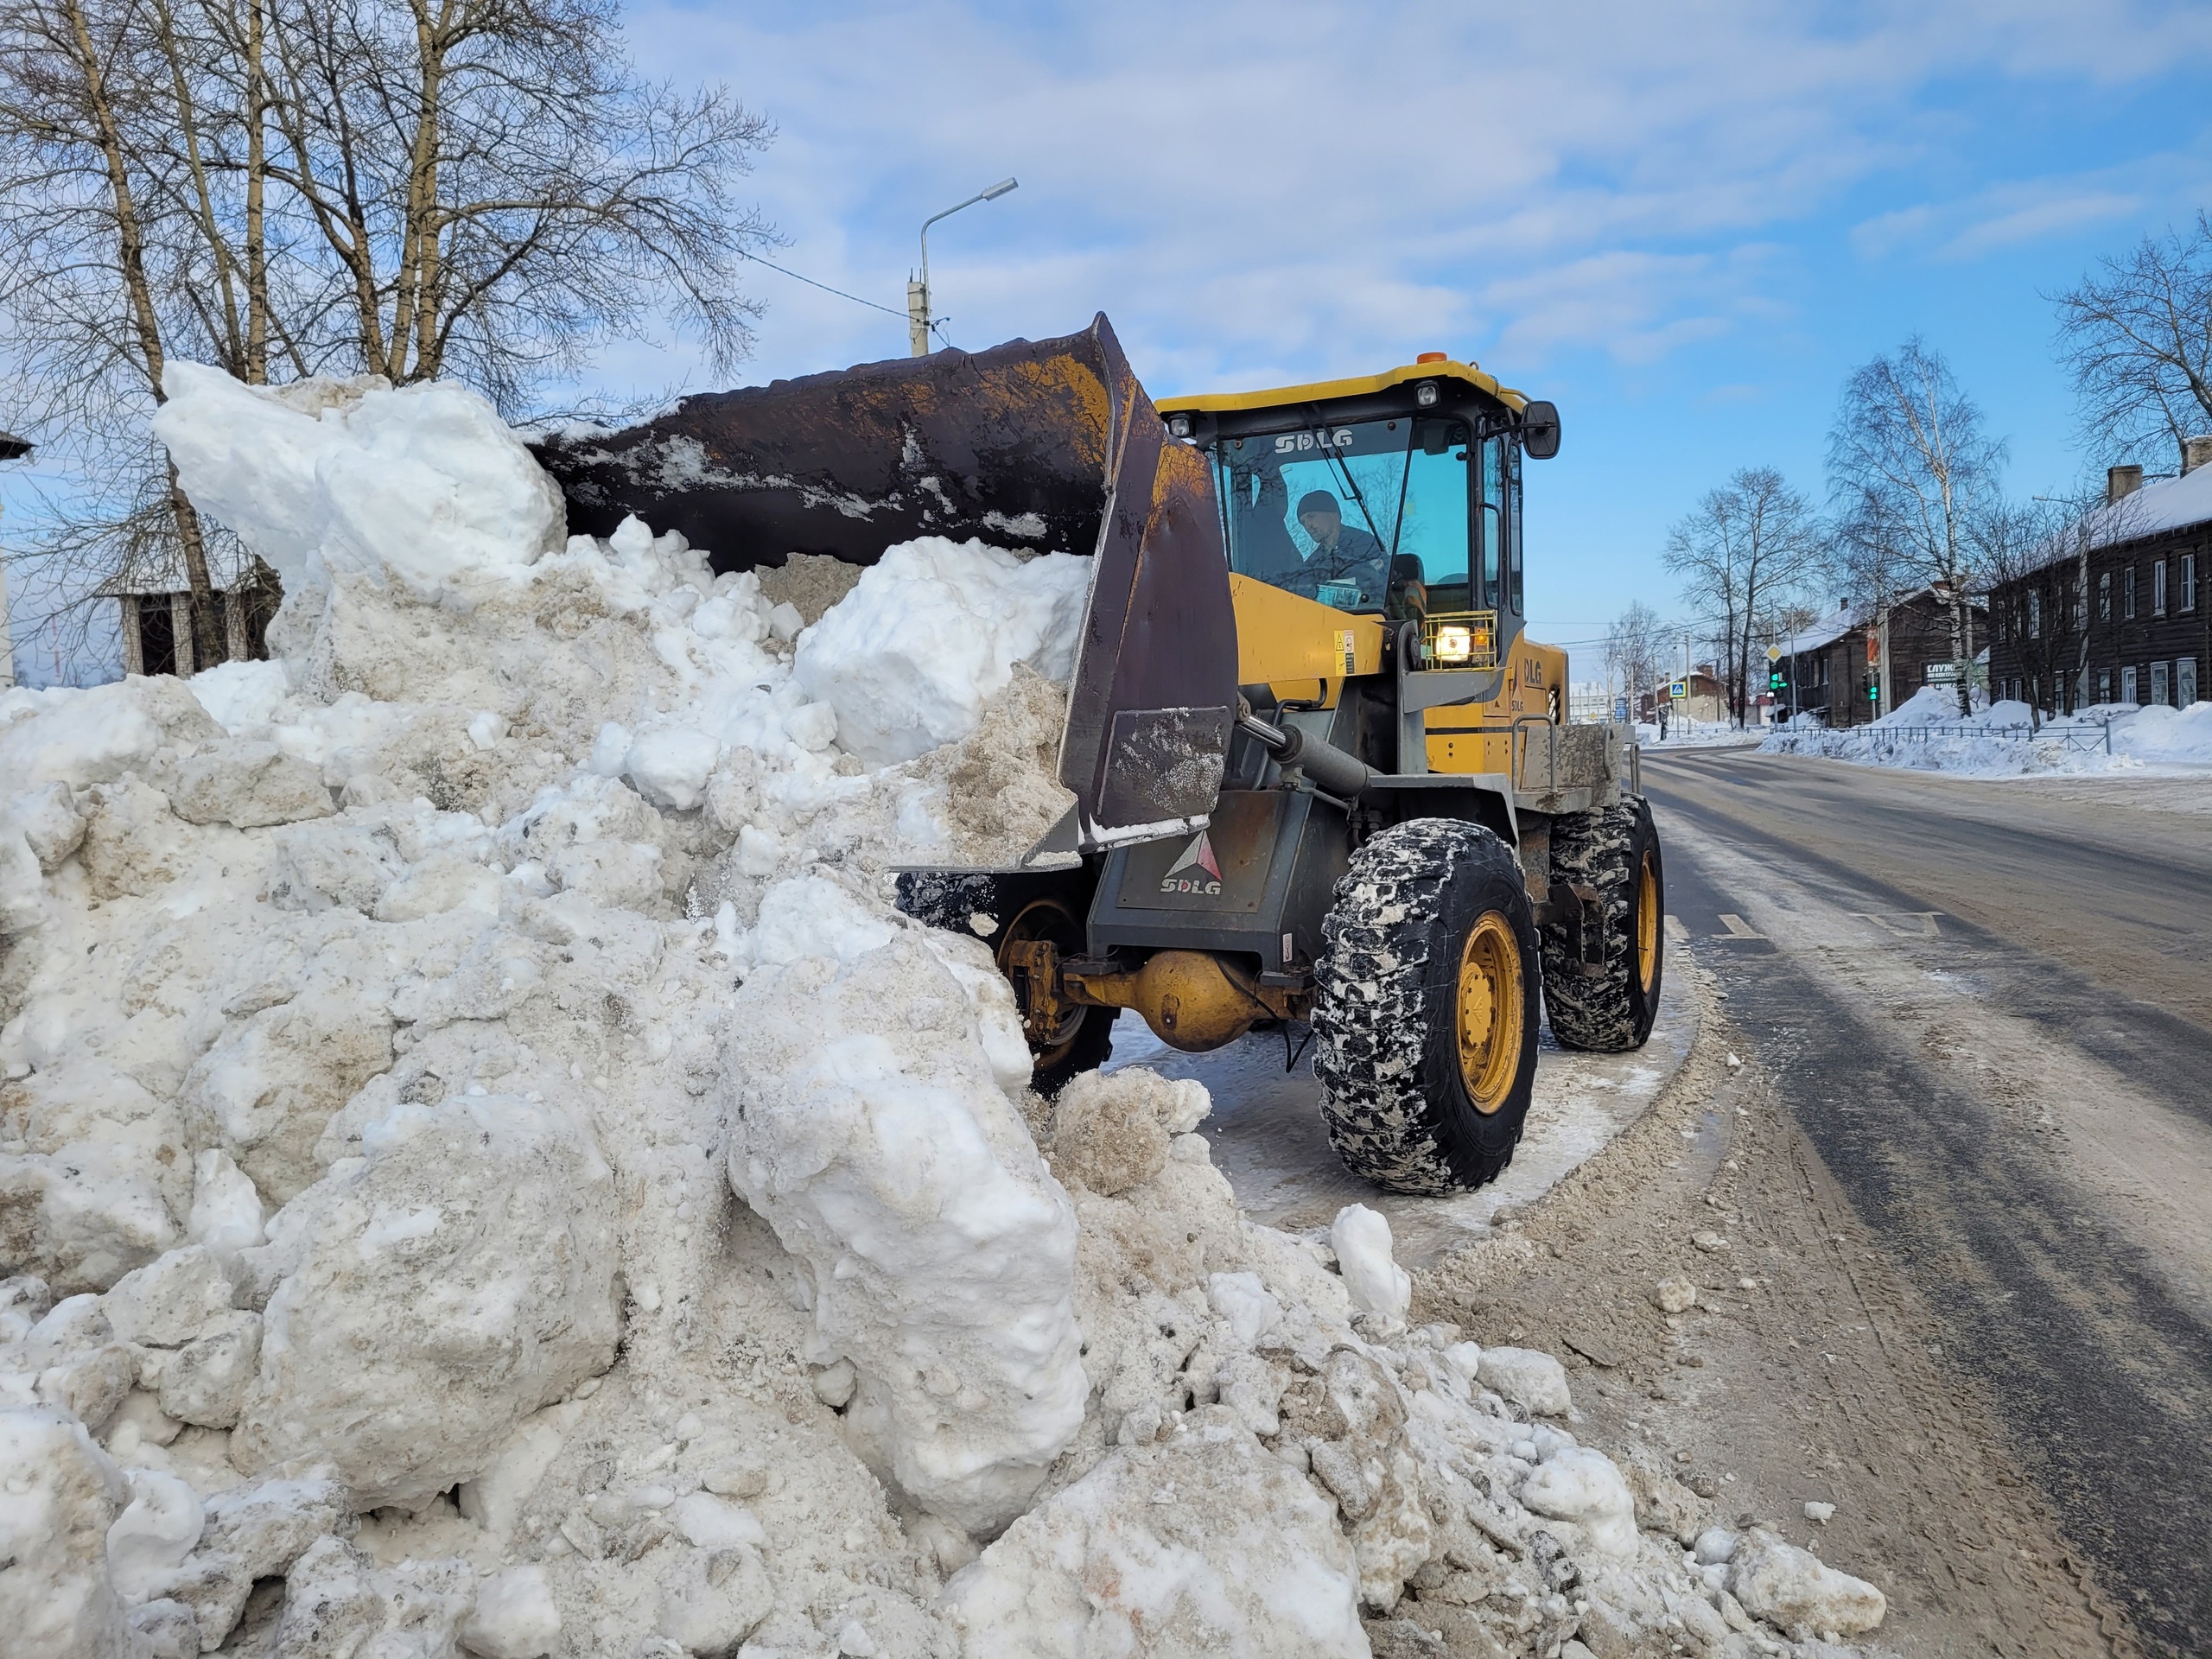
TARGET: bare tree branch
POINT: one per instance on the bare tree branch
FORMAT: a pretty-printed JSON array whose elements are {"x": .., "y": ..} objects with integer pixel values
[{"x": 2138, "y": 335}]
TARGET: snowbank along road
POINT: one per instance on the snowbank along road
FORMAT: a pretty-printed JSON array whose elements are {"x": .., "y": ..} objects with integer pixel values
[{"x": 1987, "y": 1006}]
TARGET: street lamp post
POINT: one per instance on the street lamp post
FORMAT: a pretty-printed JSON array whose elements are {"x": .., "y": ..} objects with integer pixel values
[
  {"x": 918, "y": 293},
  {"x": 11, "y": 449}
]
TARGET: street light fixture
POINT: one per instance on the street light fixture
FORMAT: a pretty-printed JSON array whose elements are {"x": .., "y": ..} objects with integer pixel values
[{"x": 918, "y": 294}]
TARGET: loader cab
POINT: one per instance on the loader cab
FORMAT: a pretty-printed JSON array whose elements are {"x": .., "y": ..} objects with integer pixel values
[{"x": 1423, "y": 466}]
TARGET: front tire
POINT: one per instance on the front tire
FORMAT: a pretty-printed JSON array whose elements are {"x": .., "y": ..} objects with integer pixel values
[
  {"x": 1615, "y": 851},
  {"x": 1425, "y": 1008},
  {"x": 1083, "y": 1037}
]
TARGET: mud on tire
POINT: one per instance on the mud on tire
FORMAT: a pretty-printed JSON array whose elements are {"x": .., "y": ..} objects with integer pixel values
[
  {"x": 1394, "y": 1096},
  {"x": 1612, "y": 1011}
]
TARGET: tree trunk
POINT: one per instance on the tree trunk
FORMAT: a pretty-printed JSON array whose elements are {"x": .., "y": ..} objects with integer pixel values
[
  {"x": 257, "y": 174},
  {"x": 131, "y": 255}
]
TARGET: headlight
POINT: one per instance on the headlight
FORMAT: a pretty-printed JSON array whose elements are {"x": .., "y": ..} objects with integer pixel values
[{"x": 1454, "y": 644}]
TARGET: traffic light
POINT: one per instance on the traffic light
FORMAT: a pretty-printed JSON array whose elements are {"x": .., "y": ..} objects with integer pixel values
[
  {"x": 1774, "y": 680},
  {"x": 1874, "y": 691}
]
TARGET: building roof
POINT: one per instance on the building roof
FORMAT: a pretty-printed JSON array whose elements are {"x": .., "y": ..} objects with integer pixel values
[
  {"x": 160, "y": 570},
  {"x": 1826, "y": 632},
  {"x": 2166, "y": 504},
  {"x": 1845, "y": 619}
]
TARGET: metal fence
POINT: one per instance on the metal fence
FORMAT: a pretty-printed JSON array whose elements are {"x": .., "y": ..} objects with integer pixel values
[{"x": 2080, "y": 738}]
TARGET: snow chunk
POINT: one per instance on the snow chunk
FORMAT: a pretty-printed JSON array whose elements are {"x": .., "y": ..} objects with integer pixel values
[
  {"x": 242, "y": 696},
  {"x": 226, "y": 1209},
  {"x": 931, "y": 633},
  {"x": 1534, "y": 1382},
  {"x": 1579, "y": 1484},
  {"x": 1796, "y": 1590},
  {"x": 433, "y": 1293},
  {"x": 515, "y": 1616},
  {"x": 60, "y": 1496},
  {"x": 1111, "y": 1130},
  {"x": 153, "y": 1535},
  {"x": 866, "y": 1122},
  {"x": 166, "y": 1303},
  {"x": 1360, "y": 1237},
  {"x": 670, "y": 766},
  {"x": 423, "y": 485},
  {"x": 1204, "y": 1544}
]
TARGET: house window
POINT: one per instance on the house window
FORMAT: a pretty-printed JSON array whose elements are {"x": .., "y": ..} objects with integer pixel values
[
  {"x": 2185, "y": 681},
  {"x": 2127, "y": 686},
  {"x": 2035, "y": 616},
  {"x": 2127, "y": 593},
  {"x": 2189, "y": 582},
  {"x": 2104, "y": 685},
  {"x": 2158, "y": 682},
  {"x": 2104, "y": 595},
  {"x": 2157, "y": 587}
]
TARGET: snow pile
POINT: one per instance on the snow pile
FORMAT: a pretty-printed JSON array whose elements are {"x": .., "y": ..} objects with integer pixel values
[
  {"x": 484, "y": 1168},
  {"x": 2006, "y": 739}
]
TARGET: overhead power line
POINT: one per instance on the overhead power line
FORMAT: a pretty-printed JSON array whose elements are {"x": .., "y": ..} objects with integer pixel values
[{"x": 825, "y": 287}]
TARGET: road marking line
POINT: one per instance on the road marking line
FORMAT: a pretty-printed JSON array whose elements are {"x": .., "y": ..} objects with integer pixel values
[
  {"x": 1737, "y": 928},
  {"x": 1923, "y": 923},
  {"x": 1675, "y": 931}
]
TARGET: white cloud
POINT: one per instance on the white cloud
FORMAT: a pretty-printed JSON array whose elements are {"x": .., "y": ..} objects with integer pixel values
[{"x": 1254, "y": 190}]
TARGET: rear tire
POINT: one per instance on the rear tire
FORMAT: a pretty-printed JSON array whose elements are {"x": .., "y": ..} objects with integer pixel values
[
  {"x": 1425, "y": 1008},
  {"x": 1615, "y": 851}
]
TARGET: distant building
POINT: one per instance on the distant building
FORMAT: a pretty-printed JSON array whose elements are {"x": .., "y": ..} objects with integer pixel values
[
  {"x": 2116, "y": 614},
  {"x": 1588, "y": 702},
  {"x": 1859, "y": 661},
  {"x": 154, "y": 601},
  {"x": 1705, "y": 698}
]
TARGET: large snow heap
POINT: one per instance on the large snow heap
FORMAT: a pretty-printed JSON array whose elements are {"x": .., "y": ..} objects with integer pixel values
[{"x": 482, "y": 1165}]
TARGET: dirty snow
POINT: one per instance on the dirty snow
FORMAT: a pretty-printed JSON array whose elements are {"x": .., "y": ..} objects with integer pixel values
[{"x": 484, "y": 1168}]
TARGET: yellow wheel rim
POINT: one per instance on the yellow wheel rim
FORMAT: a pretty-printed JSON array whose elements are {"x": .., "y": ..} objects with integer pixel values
[
  {"x": 1647, "y": 921},
  {"x": 1491, "y": 1004}
]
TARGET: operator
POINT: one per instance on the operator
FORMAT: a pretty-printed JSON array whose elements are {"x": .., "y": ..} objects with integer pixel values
[{"x": 1339, "y": 555}]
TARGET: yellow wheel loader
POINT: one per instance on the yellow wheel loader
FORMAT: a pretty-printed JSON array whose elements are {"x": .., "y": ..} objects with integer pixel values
[{"x": 1321, "y": 776}]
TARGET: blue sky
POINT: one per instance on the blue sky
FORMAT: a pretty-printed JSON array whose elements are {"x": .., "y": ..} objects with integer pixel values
[{"x": 1683, "y": 224}]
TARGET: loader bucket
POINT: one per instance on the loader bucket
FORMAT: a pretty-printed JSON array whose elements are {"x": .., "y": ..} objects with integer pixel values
[{"x": 1050, "y": 444}]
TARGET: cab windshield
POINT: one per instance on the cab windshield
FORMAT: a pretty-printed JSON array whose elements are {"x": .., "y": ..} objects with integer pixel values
[{"x": 1369, "y": 515}]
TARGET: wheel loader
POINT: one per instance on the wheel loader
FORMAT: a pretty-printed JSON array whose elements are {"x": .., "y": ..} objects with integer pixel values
[{"x": 1321, "y": 778}]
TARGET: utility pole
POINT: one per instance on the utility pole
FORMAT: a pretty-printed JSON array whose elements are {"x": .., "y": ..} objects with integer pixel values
[
  {"x": 11, "y": 449},
  {"x": 918, "y": 289}
]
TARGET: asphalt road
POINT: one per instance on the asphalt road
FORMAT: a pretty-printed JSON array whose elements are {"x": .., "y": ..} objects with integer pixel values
[{"x": 1989, "y": 1006}]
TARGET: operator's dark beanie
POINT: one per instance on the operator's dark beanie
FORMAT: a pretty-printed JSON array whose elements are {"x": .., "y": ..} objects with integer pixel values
[{"x": 1319, "y": 501}]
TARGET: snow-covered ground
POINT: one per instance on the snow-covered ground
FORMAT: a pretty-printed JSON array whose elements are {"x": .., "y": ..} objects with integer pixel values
[
  {"x": 483, "y": 1166},
  {"x": 2000, "y": 740},
  {"x": 1694, "y": 734}
]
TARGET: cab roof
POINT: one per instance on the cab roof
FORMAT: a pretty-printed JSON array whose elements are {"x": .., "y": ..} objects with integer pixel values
[{"x": 1367, "y": 386}]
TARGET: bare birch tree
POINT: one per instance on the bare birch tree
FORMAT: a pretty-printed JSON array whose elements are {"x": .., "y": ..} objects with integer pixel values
[
  {"x": 484, "y": 188},
  {"x": 1634, "y": 648},
  {"x": 1747, "y": 548},
  {"x": 2138, "y": 334},
  {"x": 1912, "y": 471}
]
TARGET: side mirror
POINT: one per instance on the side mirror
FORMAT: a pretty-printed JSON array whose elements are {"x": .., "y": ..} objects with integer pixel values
[{"x": 1539, "y": 431}]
